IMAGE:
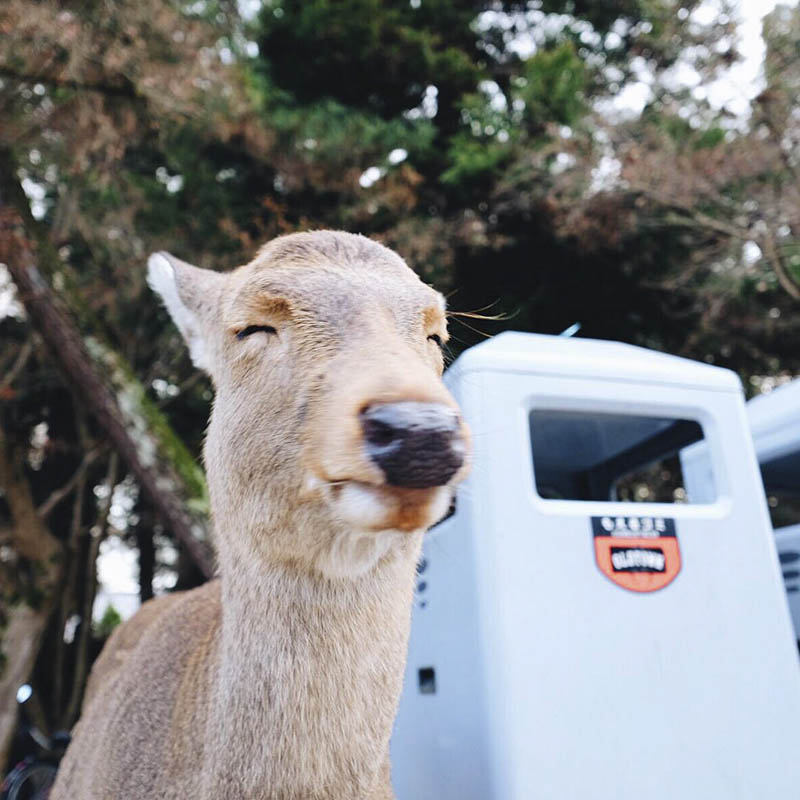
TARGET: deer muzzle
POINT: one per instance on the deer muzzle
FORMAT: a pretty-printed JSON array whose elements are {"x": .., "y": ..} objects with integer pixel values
[{"x": 415, "y": 445}]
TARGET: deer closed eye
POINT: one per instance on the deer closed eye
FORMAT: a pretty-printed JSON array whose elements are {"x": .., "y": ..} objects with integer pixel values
[{"x": 251, "y": 329}]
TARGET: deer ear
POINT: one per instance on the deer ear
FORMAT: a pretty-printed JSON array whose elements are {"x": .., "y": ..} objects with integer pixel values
[{"x": 190, "y": 295}]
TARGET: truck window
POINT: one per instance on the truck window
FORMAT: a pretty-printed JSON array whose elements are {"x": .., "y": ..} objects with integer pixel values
[
  {"x": 782, "y": 484},
  {"x": 584, "y": 455}
]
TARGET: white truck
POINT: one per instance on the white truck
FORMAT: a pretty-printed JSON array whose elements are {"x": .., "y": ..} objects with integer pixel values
[
  {"x": 603, "y": 616},
  {"x": 775, "y": 423}
]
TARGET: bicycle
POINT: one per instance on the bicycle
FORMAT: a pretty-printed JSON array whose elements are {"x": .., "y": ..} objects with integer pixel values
[{"x": 33, "y": 776}]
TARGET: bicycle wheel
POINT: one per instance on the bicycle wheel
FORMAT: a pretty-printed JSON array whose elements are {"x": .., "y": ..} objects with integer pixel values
[{"x": 33, "y": 782}]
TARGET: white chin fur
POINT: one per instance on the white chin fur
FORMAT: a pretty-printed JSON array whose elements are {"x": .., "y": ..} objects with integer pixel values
[
  {"x": 356, "y": 551},
  {"x": 360, "y": 506},
  {"x": 364, "y": 507}
]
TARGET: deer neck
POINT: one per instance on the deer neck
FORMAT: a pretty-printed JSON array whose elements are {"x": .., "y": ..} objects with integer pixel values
[{"x": 310, "y": 675}]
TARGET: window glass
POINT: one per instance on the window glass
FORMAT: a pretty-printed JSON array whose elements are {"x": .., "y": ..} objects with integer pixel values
[
  {"x": 782, "y": 484},
  {"x": 584, "y": 455}
]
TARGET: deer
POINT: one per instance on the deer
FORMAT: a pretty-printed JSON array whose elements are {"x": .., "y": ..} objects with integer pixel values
[{"x": 332, "y": 446}]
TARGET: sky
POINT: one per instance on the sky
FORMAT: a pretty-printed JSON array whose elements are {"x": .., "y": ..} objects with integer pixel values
[
  {"x": 743, "y": 81},
  {"x": 735, "y": 89}
]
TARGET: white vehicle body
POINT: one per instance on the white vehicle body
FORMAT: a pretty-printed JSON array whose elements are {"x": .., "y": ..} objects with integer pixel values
[
  {"x": 535, "y": 674},
  {"x": 775, "y": 423}
]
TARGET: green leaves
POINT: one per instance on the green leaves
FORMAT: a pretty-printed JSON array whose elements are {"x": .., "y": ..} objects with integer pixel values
[
  {"x": 553, "y": 87},
  {"x": 369, "y": 54}
]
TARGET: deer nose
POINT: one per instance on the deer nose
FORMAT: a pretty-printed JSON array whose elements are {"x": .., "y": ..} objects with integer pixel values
[{"x": 416, "y": 445}]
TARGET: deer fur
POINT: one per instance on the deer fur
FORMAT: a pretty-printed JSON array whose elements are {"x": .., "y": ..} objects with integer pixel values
[{"x": 281, "y": 678}]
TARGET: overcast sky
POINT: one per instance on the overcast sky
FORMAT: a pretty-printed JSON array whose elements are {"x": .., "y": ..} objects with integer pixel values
[{"x": 743, "y": 81}]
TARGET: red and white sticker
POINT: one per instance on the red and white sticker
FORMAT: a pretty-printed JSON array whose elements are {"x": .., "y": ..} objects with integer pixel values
[{"x": 637, "y": 553}]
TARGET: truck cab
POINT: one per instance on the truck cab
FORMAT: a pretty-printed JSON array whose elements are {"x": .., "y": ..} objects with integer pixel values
[
  {"x": 775, "y": 424},
  {"x": 603, "y": 616}
]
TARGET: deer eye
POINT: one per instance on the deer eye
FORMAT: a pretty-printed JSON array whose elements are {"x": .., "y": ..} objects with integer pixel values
[
  {"x": 250, "y": 329},
  {"x": 434, "y": 337}
]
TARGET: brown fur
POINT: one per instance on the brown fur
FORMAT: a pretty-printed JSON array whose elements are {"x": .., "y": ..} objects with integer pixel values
[{"x": 280, "y": 680}]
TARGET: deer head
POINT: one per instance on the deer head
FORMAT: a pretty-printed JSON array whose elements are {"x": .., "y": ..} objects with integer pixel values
[{"x": 332, "y": 437}]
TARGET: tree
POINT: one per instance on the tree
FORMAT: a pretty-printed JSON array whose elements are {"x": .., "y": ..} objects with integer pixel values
[
  {"x": 474, "y": 138},
  {"x": 734, "y": 198},
  {"x": 33, "y": 492}
]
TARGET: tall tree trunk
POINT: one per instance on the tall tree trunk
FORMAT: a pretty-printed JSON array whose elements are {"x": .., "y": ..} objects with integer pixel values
[
  {"x": 168, "y": 476},
  {"x": 104, "y": 384},
  {"x": 82, "y": 657},
  {"x": 147, "y": 561},
  {"x": 26, "y": 602}
]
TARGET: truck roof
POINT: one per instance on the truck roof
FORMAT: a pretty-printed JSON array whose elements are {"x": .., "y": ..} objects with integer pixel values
[
  {"x": 558, "y": 355},
  {"x": 775, "y": 423}
]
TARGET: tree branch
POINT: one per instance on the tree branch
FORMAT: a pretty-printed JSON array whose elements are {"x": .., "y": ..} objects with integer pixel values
[
  {"x": 691, "y": 217},
  {"x": 97, "y": 535},
  {"x": 24, "y": 619},
  {"x": 19, "y": 364},
  {"x": 122, "y": 413},
  {"x": 773, "y": 255},
  {"x": 123, "y": 89},
  {"x": 63, "y": 491}
]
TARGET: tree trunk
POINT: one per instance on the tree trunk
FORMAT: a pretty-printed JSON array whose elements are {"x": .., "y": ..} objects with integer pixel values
[
  {"x": 27, "y": 599},
  {"x": 102, "y": 381},
  {"x": 84, "y": 643},
  {"x": 104, "y": 384},
  {"x": 147, "y": 561},
  {"x": 22, "y": 633}
]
